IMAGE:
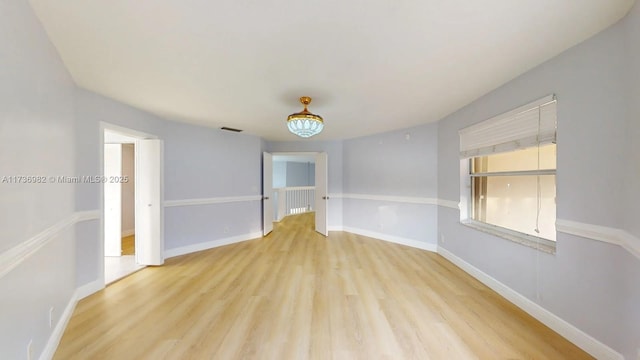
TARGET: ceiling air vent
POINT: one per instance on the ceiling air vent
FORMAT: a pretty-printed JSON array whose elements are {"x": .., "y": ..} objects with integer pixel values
[{"x": 230, "y": 129}]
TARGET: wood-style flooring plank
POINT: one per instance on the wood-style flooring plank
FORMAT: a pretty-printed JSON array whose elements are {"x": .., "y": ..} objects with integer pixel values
[
  {"x": 128, "y": 244},
  {"x": 296, "y": 294}
]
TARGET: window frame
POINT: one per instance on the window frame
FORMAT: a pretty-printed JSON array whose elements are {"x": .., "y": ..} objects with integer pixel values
[
  {"x": 533, "y": 241},
  {"x": 467, "y": 189}
]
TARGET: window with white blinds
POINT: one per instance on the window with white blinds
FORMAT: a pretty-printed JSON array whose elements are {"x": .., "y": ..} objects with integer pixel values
[
  {"x": 529, "y": 125},
  {"x": 508, "y": 186}
]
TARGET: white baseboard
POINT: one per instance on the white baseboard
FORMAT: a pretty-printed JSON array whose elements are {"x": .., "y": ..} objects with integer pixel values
[
  {"x": 58, "y": 331},
  {"x": 390, "y": 238},
  {"x": 210, "y": 244},
  {"x": 128, "y": 232},
  {"x": 89, "y": 289},
  {"x": 581, "y": 339}
]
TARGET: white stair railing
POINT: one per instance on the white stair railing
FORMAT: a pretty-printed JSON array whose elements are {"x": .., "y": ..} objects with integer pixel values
[{"x": 294, "y": 200}]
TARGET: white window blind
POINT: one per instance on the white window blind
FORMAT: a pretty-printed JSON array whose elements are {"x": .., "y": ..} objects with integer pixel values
[{"x": 526, "y": 126}]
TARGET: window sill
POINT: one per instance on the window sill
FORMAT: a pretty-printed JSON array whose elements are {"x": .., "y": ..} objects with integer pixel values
[{"x": 544, "y": 245}]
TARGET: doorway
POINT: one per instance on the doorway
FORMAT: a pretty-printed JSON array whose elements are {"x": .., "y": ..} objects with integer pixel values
[
  {"x": 132, "y": 202},
  {"x": 119, "y": 207},
  {"x": 295, "y": 183}
]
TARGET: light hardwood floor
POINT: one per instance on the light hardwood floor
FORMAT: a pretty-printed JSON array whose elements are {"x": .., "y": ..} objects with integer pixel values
[
  {"x": 128, "y": 245},
  {"x": 296, "y": 295}
]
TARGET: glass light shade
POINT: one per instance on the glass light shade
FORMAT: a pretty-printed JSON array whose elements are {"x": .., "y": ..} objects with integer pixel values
[{"x": 304, "y": 123}]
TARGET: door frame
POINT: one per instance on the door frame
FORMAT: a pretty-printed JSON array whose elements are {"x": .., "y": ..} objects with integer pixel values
[
  {"x": 267, "y": 194},
  {"x": 113, "y": 218},
  {"x": 322, "y": 194},
  {"x": 136, "y": 136},
  {"x": 301, "y": 153}
]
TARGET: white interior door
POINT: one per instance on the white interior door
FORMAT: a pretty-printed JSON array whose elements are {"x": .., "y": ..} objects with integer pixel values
[
  {"x": 112, "y": 200},
  {"x": 267, "y": 193},
  {"x": 321, "y": 194},
  {"x": 148, "y": 203}
]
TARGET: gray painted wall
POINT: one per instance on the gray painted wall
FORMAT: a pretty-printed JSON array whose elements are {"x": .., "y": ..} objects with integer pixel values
[
  {"x": 301, "y": 174},
  {"x": 292, "y": 173},
  {"x": 202, "y": 162},
  {"x": 631, "y": 175},
  {"x": 279, "y": 174},
  {"x": 589, "y": 284},
  {"x": 391, "y": 164},
  {"x": 199, "y": 163},
  {"x": 632, "y": 153},
  {"x": 205, "y": 163},
  {"x": 36, "y": 138},
  {"x": 399, "y": 163}
]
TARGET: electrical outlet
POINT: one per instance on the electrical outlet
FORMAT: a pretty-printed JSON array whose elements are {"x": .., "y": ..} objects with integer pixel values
[
  {"x": 51, "y": 317},
  {"x": 30, "y": 350},
  {"x": 226, "y": 229},
  {"x": 442, "y": 238}
]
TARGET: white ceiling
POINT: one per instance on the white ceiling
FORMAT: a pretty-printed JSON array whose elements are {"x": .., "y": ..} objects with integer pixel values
[{"x": 370, "y": 66}]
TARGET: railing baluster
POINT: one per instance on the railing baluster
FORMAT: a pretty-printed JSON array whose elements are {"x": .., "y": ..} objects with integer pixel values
[{"x": 295, "y": 200}]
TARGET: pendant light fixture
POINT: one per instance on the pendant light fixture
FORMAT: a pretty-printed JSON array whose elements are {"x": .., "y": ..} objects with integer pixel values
[{"x": 304, "y": 123}]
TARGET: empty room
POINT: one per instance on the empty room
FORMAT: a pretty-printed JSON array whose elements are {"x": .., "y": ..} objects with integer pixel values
[{"x": 320, "y": 180}]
